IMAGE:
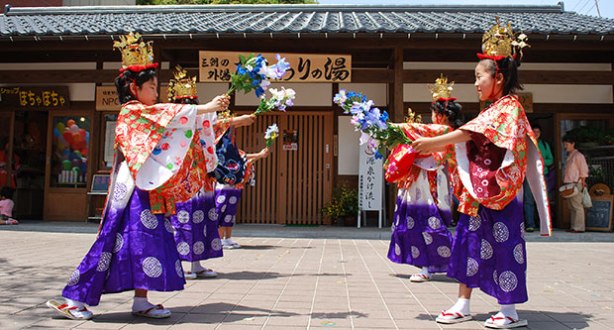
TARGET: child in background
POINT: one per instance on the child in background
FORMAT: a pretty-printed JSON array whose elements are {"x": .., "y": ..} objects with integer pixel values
[{"x": 6, "y": 206}]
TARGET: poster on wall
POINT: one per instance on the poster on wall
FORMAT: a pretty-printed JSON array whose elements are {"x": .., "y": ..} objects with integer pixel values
[
  {"x": 109, "y": 140},
  {"x": 290, "y": 140}
]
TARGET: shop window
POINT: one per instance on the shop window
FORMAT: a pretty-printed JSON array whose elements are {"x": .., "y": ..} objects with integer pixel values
[{"x": 69, "y": 158}]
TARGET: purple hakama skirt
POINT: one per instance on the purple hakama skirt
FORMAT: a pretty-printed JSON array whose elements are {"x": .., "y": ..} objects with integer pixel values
[
  {"x": 227, "y": 204},
  {"x": 196, "y": 234},
  {"x": 489, "y": 253},
  {"x": 134, "y": 250},
  {"x": 419, "y": 233}
]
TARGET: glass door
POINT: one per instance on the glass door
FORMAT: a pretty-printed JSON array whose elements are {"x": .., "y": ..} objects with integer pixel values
[
  {"x": 68, "y": 166},
  {"x": 590, "y": 130},
  {"x": 28, "y": 162},
  {"x": 7, "y": 171}
]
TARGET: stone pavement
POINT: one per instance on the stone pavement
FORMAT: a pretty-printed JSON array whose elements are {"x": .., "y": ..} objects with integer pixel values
[{"x": 286, "y": 282}]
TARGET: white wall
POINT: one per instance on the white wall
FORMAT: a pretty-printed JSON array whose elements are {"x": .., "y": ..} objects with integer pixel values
[
  {"x": 524, "y": 66},
  {"x": 348, "y": 147},
  {"x": 542, "y": 93},
  {"x": 376, "y": 92},
  {"x": 347, "y": 139},
  {"x": 82, "y": 91},
  {"x": 207, "y": 91},
  {"x": 307, "y": 94}
]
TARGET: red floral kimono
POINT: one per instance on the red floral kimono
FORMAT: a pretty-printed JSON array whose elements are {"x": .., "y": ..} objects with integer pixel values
[
  {"x": 161, "y": 146},
  {"x": 492, "y": 167}
]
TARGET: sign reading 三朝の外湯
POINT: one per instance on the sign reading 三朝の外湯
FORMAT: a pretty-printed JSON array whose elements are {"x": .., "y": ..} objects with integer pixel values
[{"x": 217, "y": 66}]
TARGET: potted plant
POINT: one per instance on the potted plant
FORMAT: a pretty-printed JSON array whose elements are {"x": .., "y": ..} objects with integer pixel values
[
  {"x": 608, "y": 138},
  {"x": 343, "y": 206}
]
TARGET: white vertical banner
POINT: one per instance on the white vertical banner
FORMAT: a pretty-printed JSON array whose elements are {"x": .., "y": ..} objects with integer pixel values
[{"x": 370, "y": 183}]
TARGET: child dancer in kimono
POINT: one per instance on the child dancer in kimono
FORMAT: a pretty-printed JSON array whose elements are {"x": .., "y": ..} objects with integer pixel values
[
  {"x": 494, "y": 152},
  {"x": 195, "y": 235},
  {"x": 155, "y": 149},
  {"x": 195, "y": 222},
  {"x": 227, "y": 200},
  {"x": 420, "y": 235}
]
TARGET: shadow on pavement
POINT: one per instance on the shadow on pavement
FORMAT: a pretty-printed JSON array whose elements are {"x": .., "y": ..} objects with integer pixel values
[
  {"x": 537, "y": 319},
  {"x": 205, "y": 314},
  {"x": 248, "y": 275},
  {"x": 434, "y": 278},
  {"x": 338, "y": 315}
]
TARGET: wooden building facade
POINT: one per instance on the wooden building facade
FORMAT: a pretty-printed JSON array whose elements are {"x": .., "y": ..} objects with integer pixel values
[{"x": 56, "y": 64}]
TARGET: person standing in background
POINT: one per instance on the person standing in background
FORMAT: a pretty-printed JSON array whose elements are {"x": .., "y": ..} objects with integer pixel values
[{"x": 575, "y": 172}]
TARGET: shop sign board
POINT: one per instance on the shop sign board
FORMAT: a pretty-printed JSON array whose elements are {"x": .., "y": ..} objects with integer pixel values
[
  {"x": 217, "y": 66},
  {"x": 35, "y": 98}
]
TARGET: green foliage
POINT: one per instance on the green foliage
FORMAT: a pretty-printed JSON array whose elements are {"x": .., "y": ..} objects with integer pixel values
[
  {"x": 344, "y": 203},
  {"x": 586, "y": 134},
  {"x": 223, "y": 2}
]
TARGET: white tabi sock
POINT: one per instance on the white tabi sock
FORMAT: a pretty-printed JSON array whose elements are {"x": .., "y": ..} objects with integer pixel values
[
  {"x": 509, "y": 310},
  {"x": 140, "y": 304},
  {"x": 425, "y": 271},
  {"x": 71, "y": 302},
  {"x": 461, "y": 306},
  {"x": 196, "y": 267}
]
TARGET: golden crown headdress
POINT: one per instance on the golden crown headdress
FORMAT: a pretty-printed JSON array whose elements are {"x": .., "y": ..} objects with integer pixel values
[
  {"x": 500, "y": 42},
  {"x": 442, "y": 90},
  {"x": 137, "y": 55},
  {"x": 181, "y": 86}
]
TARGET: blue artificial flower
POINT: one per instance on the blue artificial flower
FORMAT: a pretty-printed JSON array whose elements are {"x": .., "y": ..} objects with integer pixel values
[
  {"x": 259, "y": 91},
  {"x": 384, "y": 116}
]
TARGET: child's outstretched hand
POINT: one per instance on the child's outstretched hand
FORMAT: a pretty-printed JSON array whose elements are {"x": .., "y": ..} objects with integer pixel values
[
  {"x": 243, "y": 120},
  {"x": 221, "y": 102}
]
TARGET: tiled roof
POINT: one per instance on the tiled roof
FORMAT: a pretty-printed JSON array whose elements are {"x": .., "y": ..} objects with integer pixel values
[{"x": 99, "y": 21}]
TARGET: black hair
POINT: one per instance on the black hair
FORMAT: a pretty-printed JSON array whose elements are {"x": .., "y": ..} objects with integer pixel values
[
  {"x": 122, "y": 82},
  {"x": 7, "y": 192},
  {"x": 509, "y": 68},
  {"x": 536, "y": 126},
  {"x": 186, "y": 100},
  {"x": 451, "y": 110},
  {"x": 569, "y": 138}
]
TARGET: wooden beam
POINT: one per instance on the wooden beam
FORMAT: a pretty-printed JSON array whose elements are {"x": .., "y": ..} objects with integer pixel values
[
  {"x": 372, "y": 76},
  {"x": 474, "y": 107},
  {"x": 108, "y": 76},
  {"x": 397, "y": 85},
  {"x": 527, "y": 77}
]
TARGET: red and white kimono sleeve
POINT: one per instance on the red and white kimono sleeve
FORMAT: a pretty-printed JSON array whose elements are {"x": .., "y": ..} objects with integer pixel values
[
  {"x": 158, "y": 144},
  {"x": 493, "y": 165}
]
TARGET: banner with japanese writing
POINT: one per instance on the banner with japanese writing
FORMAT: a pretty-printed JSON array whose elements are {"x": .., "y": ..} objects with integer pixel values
[
  {"x": 371, "y": 180},
  {"x": 35, "y": 98},
  {"x": 217, "y": 66}
]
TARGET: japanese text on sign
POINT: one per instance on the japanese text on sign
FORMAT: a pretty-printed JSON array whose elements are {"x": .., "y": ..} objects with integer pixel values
[
  {"x": 31, "y": 97},
  {"x": 217, "y": 66},
  {"x": 370, "y": 180}
]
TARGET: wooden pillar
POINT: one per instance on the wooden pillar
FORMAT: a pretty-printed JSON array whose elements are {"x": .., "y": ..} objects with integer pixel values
[{"x": 397, "y": 112}]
